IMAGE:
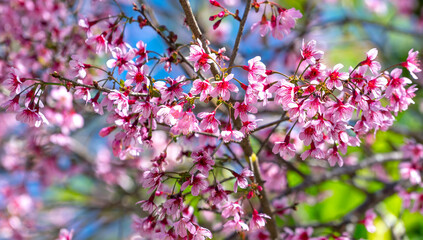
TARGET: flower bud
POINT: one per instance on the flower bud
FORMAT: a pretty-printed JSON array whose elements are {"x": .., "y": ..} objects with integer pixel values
[
  {"x": 215, "y": 3},
  {"x": 216, "y": 24}
]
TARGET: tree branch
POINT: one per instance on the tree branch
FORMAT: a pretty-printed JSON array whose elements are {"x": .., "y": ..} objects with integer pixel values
[
  {"x": 239, "y": 35},
  {"x": 378, "y": 158},
  {"x": 153, "y": 24},
  {"x": 193, "y": 25},
  {"x": 96, "y": 87}
]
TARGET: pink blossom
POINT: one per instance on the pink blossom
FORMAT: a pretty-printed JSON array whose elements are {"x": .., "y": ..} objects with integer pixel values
[
  {"x": 203, "y": 162},
  {"x": 121, "y": 59},
  {"x": 314, "y": 152},
  {"x": 256, "y": 69},
  {"x": 120, "y": 100},
  {"x": 137, "y": 75},
  {"x": 13, "y": 82},
  {"x": 370, "y": 61},
  {"x": 12, "y": 105},
  {"x": 309, "y": 134},
  {"x": 315, "y": 72},
  {"x": 170, "y": 115},
  {"x": 258, "y": 220},
  {"x": 412, "y": 64},
  {"x": 224, "y": 88},
  {"x": 264, "y": 26},
  {"x": 148, "y": 205},
  {"x": 232, "y": 209},
  {"x": 335, "y": 77},
  {"x": 198, "y": 182},
  {"x": 412, "y": 150},
  {"x": 358, "y": 76},
  {"x": 229, "y": 135},
  {"x": 174, "y": 90},
  {"x": 141, "y": 52},
  {"x": 145, "y": 225},
  {"x": 202, "y": 233},
  {"x": 256, "y": 90},
  {"x": 411, "y": 171},
  {"x": 152, "y": 179},
  {"x": 218, "y": 195},
  {"x": 368, "y": 221},
  {"x": 201, "y": 87},
  {"x": 375, "y": 86},
  {"x": 78, "y": 66},
  {"x": 284, "y": 91},
  {"x": 99, "y": 41},
  {"x": 284, "y": 148},
  {"x": 209, "y": 121},
  {"x": 187, "y": 124},
  {"x": 241, "y": 179},
  {"x": 201, "y": 59},
  {"x": 250, "y": 125},
  {"x": 309, "y": 53},
  {"x": 32, "y": 117},
  {"x": 313, "y": 105},
  {"x": 339, "y": 111},
  {"x": 184, "y": 225},
  {"x": 281, "y": 206},
  {"x": 396, "y": 83},
  {"x": 334, "y": 157},
  {"x": 82, "y": 92},
  {"x": 241, "y": 110},
  {"x": 236, "y": 224},
  {"x": 65, "y": 234},
  {"x": 284, "y": 22}
]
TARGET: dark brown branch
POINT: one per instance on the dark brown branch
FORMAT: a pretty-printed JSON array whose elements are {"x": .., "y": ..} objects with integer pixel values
[
  {"x": 255, "y": 166},
  {"x": 153, "y": 23},
  {"x": 271, "y": 124},
  {"x": 239, "y": 35},
  {"x": 193, "y": 25}
]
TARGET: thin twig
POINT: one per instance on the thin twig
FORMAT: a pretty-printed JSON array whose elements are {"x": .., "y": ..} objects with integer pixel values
[
  {"x": 103, "y": 89},
  {"x": 270, "y": 134},
  {"x": 378, "y": 158}
]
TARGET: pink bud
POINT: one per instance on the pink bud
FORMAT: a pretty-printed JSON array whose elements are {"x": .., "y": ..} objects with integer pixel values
[
  {"x": 216, "y": 24},
  {"x": 215, "y": 3},
  {"x": 212, "y": 18},
  {"x": 106, "y": 131}
]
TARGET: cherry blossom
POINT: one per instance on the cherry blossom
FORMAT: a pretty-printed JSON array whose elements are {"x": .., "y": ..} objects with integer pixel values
[
  {"x": 309, "y": 53},
  {"x": 224, "y": 88},
  {"x": 201, "y": 59}
]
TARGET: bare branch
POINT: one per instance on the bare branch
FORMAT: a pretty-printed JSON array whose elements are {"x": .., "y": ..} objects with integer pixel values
[{"x": 239, "y": 35}]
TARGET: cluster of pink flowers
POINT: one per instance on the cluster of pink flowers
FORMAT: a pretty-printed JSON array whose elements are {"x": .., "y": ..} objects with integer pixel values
[
  {"x": 280, "y": 24},
  {"x": 323, "y": 102},
  {"x": 412, "y": 169}
]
